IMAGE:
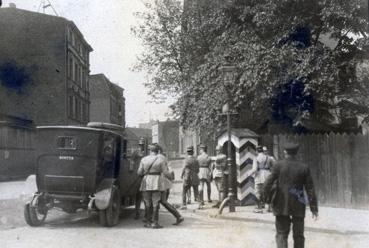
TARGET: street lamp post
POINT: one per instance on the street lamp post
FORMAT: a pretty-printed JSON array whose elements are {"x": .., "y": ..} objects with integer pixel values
[{"x": 228, "y": 76}]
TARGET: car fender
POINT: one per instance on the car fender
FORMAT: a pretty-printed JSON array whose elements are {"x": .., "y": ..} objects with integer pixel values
[
  {"x": 103, "y": 193},
  {"x": 29, "y": 189}
]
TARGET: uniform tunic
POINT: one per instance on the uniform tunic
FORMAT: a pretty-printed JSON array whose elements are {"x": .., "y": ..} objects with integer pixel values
[
  {"x": 261, "y": 167},
  {"x": 190, "y": 170},
  {"x": 153, "y": 180},
  {"x": 220, "y": 165},
  {"x": 205, "y": 167}
]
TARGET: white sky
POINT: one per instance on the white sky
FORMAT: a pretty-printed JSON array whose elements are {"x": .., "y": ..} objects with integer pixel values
[{"x": 106, "y": 27}]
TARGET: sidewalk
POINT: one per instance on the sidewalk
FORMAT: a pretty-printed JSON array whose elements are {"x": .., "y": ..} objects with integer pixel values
[{"x": 330, "y": 221}]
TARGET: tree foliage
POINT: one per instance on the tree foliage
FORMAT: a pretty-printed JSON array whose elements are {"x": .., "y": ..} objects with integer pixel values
[{"x": 293, "y": 58}]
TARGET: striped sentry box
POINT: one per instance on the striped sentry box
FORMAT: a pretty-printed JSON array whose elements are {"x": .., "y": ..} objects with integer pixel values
[{"x": 244, "y": 142}]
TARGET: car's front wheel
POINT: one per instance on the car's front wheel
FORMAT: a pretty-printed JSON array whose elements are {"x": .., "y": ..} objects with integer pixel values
[
  {"x": 110, "y": 216},
  {"x": 35, "y": 216}
]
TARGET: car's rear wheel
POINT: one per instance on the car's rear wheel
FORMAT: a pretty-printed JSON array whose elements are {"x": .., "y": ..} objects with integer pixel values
[
  {"x": 110, "y": 216},
  {"x": 34, "y": 216}
]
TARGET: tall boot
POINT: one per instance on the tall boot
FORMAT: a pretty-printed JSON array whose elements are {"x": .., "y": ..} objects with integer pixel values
[
  {"x": 173, "y": 211},
  {"x": 155, "y": 223},
  {"x": 196, "y": 192},
  {"x": 148, "y": 215},
  {"x": 201, "y": 196},
  {"x": 208, "y": 188},
  {"x": 138, "y": 205}
]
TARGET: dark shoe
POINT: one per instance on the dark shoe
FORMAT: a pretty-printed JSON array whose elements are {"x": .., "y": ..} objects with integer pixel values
[
  {"x": 156, "y": 226},
  {"x": 148, "y": 225},
  {"x": 179, "y": 220},
  {"x": 210, "y": 201},
  {"x": 189, "y": 202}
]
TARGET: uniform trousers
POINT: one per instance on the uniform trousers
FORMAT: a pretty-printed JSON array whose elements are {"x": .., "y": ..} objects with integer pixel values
[
  {"x": 201, "y": 190},
  {"x": 168, "y": 206},
  {"x": 222, "y": 186},
  {"x": 283, "y": 224},
  {"x": 259, "y": 190},
  {"x": 152, "y": 199}
]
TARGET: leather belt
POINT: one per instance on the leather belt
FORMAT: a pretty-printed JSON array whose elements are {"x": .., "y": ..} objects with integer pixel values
[{"x": 154, "y": 173}]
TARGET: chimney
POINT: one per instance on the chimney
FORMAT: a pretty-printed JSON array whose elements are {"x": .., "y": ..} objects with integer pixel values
[{"x": 12, "y": 5}]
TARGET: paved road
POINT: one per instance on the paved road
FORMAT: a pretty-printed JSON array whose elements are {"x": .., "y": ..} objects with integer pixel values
[{"x": 200, "y": 229}]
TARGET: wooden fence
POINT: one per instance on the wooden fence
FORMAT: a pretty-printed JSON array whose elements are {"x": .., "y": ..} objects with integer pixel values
[{"x": 339, "y": 164}]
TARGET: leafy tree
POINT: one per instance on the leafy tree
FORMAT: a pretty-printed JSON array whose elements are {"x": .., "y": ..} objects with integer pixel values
[{"x": 295, "y": 59}]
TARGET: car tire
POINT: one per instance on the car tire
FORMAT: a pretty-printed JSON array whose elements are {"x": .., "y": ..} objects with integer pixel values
[
  {"x": 32, "y": 216},
  {"x": 110, "y": 216}
]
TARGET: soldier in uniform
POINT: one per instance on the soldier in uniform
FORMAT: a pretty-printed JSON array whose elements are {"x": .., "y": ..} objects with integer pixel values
[
  {"x": 165, "y": 193},
  {"x": 219, "y": 174},
  {"x": 189, "y": 175},
  {"x": 204, "y": 174},
  {"x": 152, "y": 168},
  {"x": 290, "y": 178},
  {"x": 260, "y": 170}
]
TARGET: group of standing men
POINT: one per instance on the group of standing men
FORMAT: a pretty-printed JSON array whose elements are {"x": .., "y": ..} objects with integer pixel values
[
  {"x": 281, "y": 183},
  {"x": 200, "y": 171}
]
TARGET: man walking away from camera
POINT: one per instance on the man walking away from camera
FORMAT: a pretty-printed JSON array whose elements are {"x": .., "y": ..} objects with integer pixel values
[
  {"x": 153, "y": 168},
  {"x": 189, "y": 175},
  {"x": 260, "y": 170},
  {"x": 219, "y": 174},
  {"x": 204, "y": 174},
  {"x": 167, "y": 186},
  {"x": 290, "y": 178}
]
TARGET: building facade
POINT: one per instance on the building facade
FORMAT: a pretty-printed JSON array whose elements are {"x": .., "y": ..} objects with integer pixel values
[
  {"x": 166, "y": 134},
  {"x": 44, "y": 67},
  {"x": 107, "y": 101}
]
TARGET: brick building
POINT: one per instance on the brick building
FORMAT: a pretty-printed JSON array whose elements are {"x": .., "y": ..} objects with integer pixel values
[
  {"x": 107, "y": 101},
  {"x": 44, "y": 68}
]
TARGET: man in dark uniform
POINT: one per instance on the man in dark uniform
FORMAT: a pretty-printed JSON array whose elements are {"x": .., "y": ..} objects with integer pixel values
[
  {"x": 290, "y": 178},
  {"x": 189, "y": 175}
]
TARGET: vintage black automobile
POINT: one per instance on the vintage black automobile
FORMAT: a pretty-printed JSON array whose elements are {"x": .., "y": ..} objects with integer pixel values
[{"x": 82, "y": 168}]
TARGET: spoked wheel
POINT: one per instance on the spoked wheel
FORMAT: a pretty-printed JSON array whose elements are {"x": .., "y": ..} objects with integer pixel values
[
  {"x": 35, "y": 216},
  {"x": 110, "y": 216}
]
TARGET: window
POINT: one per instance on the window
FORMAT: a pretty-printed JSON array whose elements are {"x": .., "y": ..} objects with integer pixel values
[
  {"x": 80, "y": 76},
  {"x": 83, "y": 107},
  {"x": 70, "y": 106},
  {"x": 75, "y": 75},
  {"x": 75, "y": 114},
  {"x": 70, "y": 67},
  {"x": 66, "y": 142},
  {"x": 81, "y": 113},
  {"x": 83, "y": 79}
]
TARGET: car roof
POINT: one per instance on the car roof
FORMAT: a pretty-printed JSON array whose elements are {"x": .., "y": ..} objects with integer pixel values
[{"x": 79, "y": 128}]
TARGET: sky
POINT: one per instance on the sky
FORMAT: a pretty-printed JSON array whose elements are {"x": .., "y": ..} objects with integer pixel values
[{"x": 106, "y": 25}]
